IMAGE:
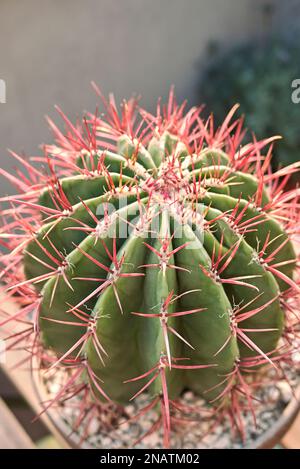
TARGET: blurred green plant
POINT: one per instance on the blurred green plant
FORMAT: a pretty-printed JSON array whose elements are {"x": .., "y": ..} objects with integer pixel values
[{"x": 259, "y": 77}]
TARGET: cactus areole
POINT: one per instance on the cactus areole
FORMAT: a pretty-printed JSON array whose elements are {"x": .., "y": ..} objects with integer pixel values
[{"x": 153, "y": 254}]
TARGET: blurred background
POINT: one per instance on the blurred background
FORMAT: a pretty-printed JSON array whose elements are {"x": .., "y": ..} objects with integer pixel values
[
  {"x": 50, "y": 50},
  {"x": 214, "y": 51}
]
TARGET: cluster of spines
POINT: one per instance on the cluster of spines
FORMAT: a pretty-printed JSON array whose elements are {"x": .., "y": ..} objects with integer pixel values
[{"x": 79, "y": 151}]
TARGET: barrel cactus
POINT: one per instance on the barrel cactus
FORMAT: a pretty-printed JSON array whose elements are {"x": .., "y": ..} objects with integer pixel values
[{"x": 153, "y": 254}]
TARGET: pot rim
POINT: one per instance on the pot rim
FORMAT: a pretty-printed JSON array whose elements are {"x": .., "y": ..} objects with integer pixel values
[
  {"x": 266, "y": 441},
  {"x": 274, "y": 434}
]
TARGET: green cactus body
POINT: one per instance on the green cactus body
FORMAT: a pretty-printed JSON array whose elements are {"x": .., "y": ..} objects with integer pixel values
[{"x": 111, "y": 275}]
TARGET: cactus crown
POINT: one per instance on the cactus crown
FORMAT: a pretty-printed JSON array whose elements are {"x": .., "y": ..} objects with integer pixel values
[{"x": 153, "y": 255}]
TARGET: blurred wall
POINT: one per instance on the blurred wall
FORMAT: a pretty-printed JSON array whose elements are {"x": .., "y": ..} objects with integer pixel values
[
  {"x": 287, "y": 17},
  {"x": 50, "y": 50}
]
